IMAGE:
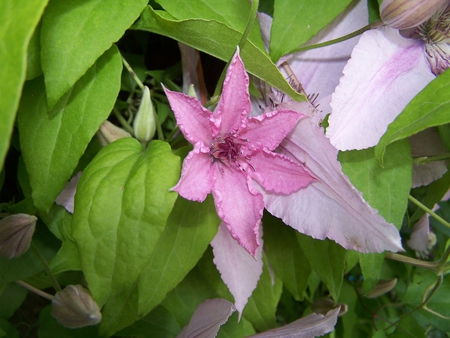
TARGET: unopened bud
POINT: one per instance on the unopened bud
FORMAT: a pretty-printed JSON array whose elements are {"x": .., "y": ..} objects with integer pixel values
[
  {"x": 191, "y": 91},
  {"x": 74, "y": 307},
  {"x": 382, "y": 287},
  {"x": 144, "y": 124},
  {"x": 109, "y": 132},
  {"x": 324, "y": 305},
  {"x": 16, "y": 232},
  {"x": 404, "y": 14}
]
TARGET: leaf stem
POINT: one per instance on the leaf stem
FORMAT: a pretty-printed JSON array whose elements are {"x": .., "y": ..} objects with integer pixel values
[
  {"x": 46, "y": 267},
  {"x": 434, "y": 266},
  {"x": 122, "y": 121},
  {"x": 431, "y": 212},
  {"x": 250, "y": 21},
  {"x": 428, "y": 159},
  {"x": 35, "y": 290},
  {"x": 374, "y": 24},
  {"x": 132, "y": 73}
]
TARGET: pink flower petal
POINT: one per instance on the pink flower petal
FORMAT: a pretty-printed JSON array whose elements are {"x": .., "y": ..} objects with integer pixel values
[
  {"x": 189, "y": 62},
  {"x": 330, "y": 206},
  {"x": 313, "y": 325},
  {"x": 238, "y": 207},
  {"x": 192, "y": 118},
  {"x": 67, "y": 195},
  {"x": 420, "y": 239},
  {"x": 196, "y": 176},
  {"x": 270, "y": 129},
  {"x": 234, "y": 104},
  {"x": 240, "y": 271},
  {"x": 207, "y": 319},
  {"x": 384, "y": 73},
  {"x": 277, "y": 173}
]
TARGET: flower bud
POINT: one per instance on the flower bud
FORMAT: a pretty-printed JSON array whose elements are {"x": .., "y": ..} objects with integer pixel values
[
  {"x": 404, "y": 14},
  {"x": 74, "y": 307},
  {"x": 144, "y": 124},
  {"x": 109, "y": 132},
  {"x": 382, "y": 287},
  {"x": 16, "y": 232}
]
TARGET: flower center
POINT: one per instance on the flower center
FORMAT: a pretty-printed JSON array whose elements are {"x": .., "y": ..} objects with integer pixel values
[{"x": 225, "y": 149}]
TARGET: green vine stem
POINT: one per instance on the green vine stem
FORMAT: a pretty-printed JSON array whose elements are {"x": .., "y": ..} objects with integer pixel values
[
  {"x": 431, "y": 212},
  {"x": 35, "y": 290},
  {"x": 428, "y": 159},
  {"x": 373, "y": 25},
  {"x": 434, "y": 266},
  {"x": 132, "y": 73},
  {"x": 46, "y": 267},
  {"x": 122, "y": 121}
]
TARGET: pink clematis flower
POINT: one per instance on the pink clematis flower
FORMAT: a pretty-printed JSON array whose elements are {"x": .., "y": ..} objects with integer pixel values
[{"x": 231, "y": 150}]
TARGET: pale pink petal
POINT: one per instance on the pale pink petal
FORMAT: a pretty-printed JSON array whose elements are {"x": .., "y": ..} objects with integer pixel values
[
  {"x": 234, "y": 104},
  {"x": 270, "y": 129},
  {"x": 67, "y": 195},
  {"x": 238, "y": 207},
  {"x": 420, "y": 239},
  {"x": 207, "y": 319},
  {"x": 427, "y": 143},
  {"x": 313, "y": 325},
  {"x": 196, "y": 176},
  {"x": 319, "y": 69},
  {"x": 240, "y": 271},
  {"x": 192, "y": 118},
  {"x": 384, "y": 73},
  {"x": 330, "y": 206},
  {"x": 277, "y": 173}
]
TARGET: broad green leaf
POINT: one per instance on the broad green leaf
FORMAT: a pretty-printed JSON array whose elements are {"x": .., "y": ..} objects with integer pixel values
[
  {"x": 371, "y": 264},
  {"x": 384, "y": 188},
  {"x": 348, "y": 296},
  {"x": 7, "y": 330},
  {"x": 122, "y": 203},
  {"x": 427, "y": 109},
  {"x": 295, "y": 22},
  {"x": 204, "y": 34},
  {"x": 190, "y": 228},
  {"x": 11, "y": 299},
  {"x": 327, "y": 258},
  {"x": 285, "y": 256},
  {"x": 66, "y": 259},
  {"x": 34, "y": 55},
  {"x": 18, "y": 19},
  {"x": 233, "y": 13},
  {"x": 76, "y": 33},
  {"x": 53, "y": 141}
]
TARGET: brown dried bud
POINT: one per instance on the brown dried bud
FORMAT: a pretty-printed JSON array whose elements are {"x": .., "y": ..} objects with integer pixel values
[
  {"x": 74, "y": 307},
  {"x": 404, "y": 14},
  {"x": 109, "y": 132},
  {"x": 16, "y": 232}
]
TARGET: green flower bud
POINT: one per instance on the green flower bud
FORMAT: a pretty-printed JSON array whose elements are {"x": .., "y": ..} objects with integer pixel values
[
  {"x": 109, "y": 132},
  {"x": 74, "y": 307},
  {"x": 404, "y": 14},
  {"x": 191, "y": 91},
  {"x": 144, "y": 124},
  {"x": 16, "y": 232}
]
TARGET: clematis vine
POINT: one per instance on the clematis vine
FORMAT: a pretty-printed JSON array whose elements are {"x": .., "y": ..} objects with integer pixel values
[
  {"x": 397, "y": 65},
  {"x": 232, "y": 151}
]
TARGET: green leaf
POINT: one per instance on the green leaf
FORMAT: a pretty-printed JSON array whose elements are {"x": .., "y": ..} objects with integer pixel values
[
  {"x": 204, "y": 34},
  {"x": 7, "y": 330},
  {"x": 427, "y": 109},
  {"x": 295, "y": 22},
  {"x": 285, "y": 256},
  {"x": 371, "y": 264},
  {"x": 53, "y": 141},
  {"x": 66, "y": 259},
  {"x": 11, "y": 299},
  {"x": 76, "y": 33},
  {"x": 327, "y": 258},
  {"x": 18, "y": 19},
  {"x": 122, "y": 203},
  {"x": 384, "y": 188},
  {"x": 190, "y": 228},
  {"x": 34, "y": 55}
]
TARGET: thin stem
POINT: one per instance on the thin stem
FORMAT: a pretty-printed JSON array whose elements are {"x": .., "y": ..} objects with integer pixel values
[
  {"x": 35, "y": 290},
  {"x": 431, "y": 212},
  {"x": 374, "y": 24},
  {"x": 428, "y": 159},
  {"x": 132, "y": 73},
  {"x": 413, "y": 261},
  {"x": 122, "y": 121},
  {"x": 250, "y": 21},
  {"x": 46, "y": 267}
]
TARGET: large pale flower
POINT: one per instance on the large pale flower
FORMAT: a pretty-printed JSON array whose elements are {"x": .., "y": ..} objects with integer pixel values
[{"x": 231, "y": 150}]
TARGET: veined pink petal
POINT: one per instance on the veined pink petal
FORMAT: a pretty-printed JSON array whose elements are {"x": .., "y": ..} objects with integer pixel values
[
  {"x": 240, "y": 271},
  {"x": 384, "y": 73},
  {"x": 196, "y": 176},
  {"x": 277, "y": 173},
  {"x": 319, "y": 69},
  {"x": 234, "y": 104},
  {"x": 207, "y": 319},
  {"x": 239, "y": 208},
  {"x": 330, "y": 206},
  {"x": 270, "y": 129},
  {"x": 193, "y": 119}
]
